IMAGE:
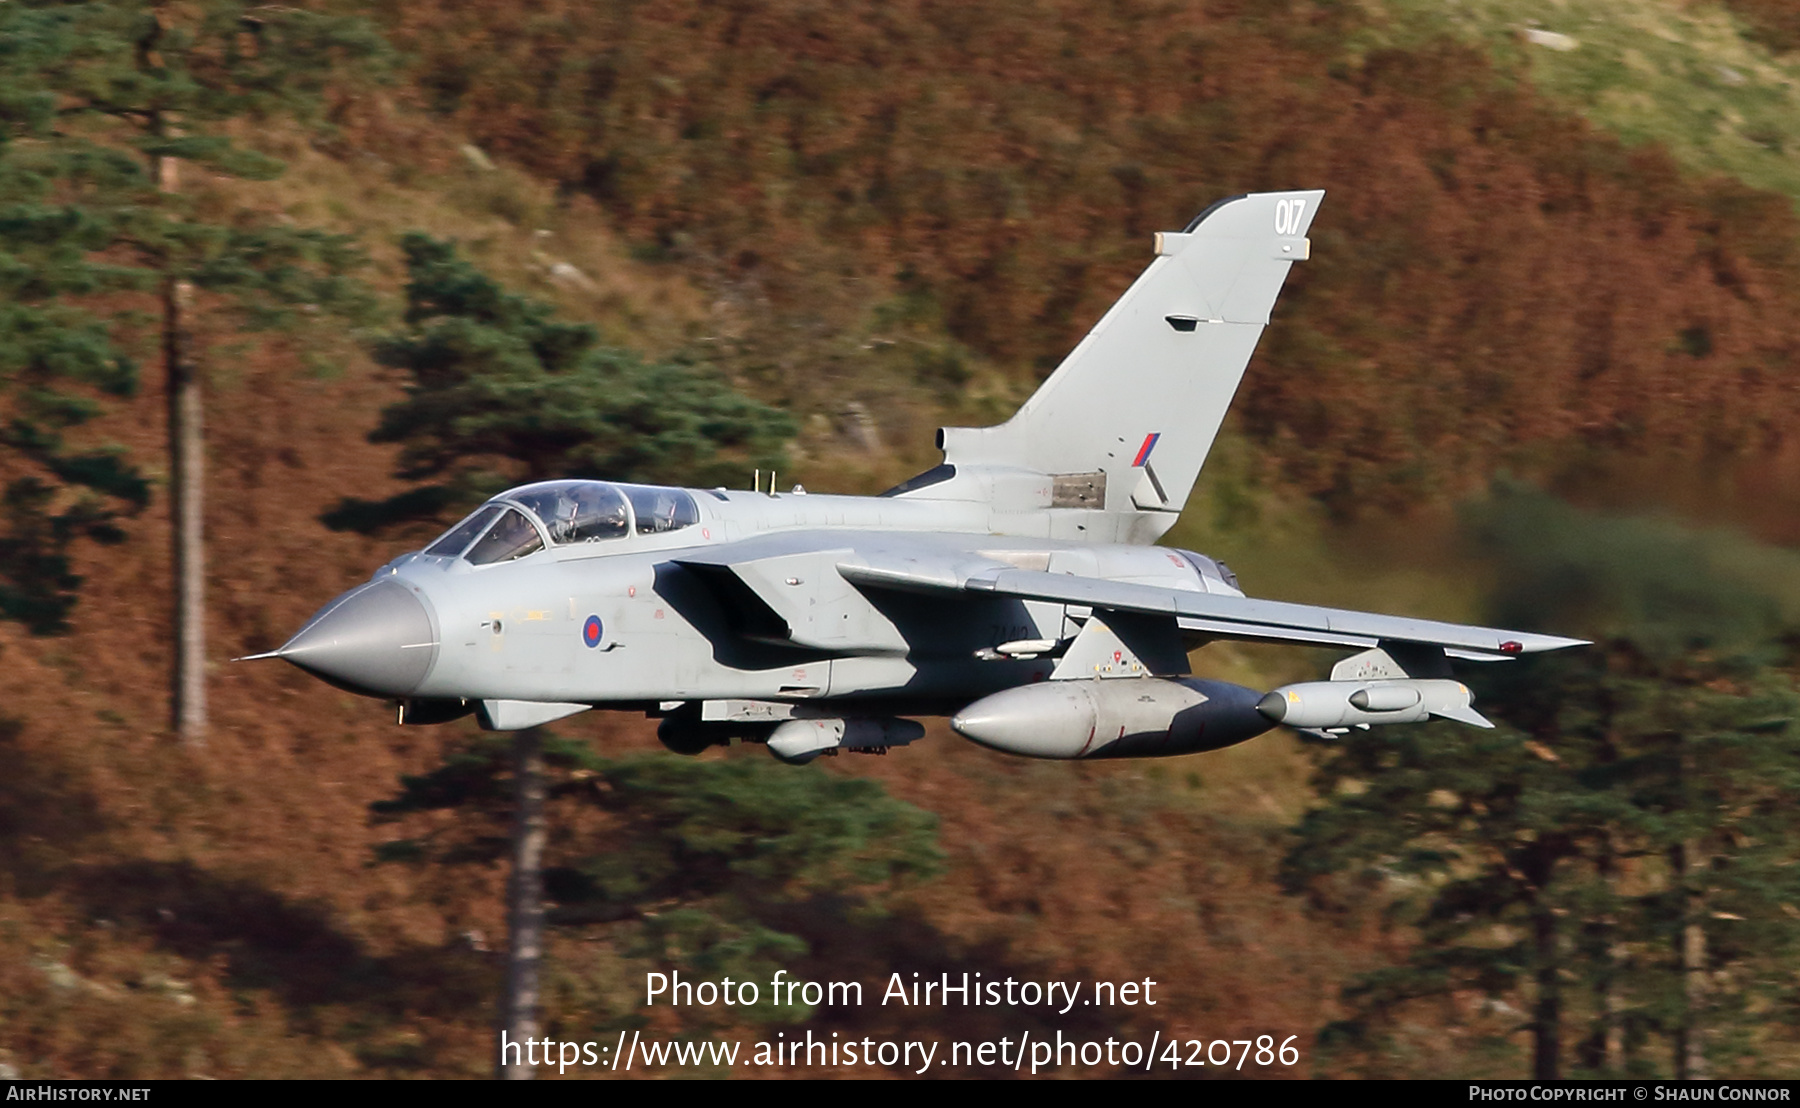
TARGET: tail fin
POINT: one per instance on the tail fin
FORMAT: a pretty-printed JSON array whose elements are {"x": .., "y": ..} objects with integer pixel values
[{"x": 1125, "y": 423}]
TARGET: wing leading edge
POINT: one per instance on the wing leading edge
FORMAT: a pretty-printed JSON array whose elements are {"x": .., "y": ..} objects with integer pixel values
[{"x": 1222, "y": 616}]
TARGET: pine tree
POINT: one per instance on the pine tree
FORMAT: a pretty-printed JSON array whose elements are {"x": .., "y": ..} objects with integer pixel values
[
  {"x": 1615, "y": 858},
  {"x": 500, "y": 391},
  {"x": 57, "y": 359},
  {"x": 164, "y": 83},
  {"x": 698, "y": 865}
]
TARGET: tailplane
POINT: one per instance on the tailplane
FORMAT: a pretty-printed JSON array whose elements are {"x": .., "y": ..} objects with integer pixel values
[{"x": 1111, "y": 444}]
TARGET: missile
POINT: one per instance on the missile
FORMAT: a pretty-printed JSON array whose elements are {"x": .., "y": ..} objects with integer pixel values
[
  {"x": 1135, "y": 717},
  {"x": 1321, "y": 704},
  {"x": 799, "y": 741}
]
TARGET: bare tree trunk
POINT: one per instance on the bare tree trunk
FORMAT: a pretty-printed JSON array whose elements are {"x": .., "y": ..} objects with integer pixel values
[
  {"x": 1546, "y": 1029},
  {"x": 187, "y": 496},
  {"x": 1600, "y": 1051},
  {"x": 1690, "y": 960},
  {"x": 1615, "y": 1021},
  {"x": 187, "y": 508},
  {"x": 1690, "y": 938},
  {"x": 525, "y": 912},
  {"x": 1693, "y": 968},
  {"x": 1606, "y": 1052}
]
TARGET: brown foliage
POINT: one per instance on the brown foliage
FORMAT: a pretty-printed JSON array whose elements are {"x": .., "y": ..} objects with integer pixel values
[
  {"x": 1775, "y": 22},
  {"x": 1490, "y": 278},
  {"x": 168, "y": 912},
  {"x": 1493, "y": 282}
]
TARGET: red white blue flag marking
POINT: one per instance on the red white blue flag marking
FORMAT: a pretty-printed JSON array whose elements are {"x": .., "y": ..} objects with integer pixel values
[
  {"x": 1143, "y": 454},
  {"x": 591, "y": 631}
]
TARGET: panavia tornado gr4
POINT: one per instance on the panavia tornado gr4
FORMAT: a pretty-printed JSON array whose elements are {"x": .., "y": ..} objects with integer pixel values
[{"x": 1014, "y": 588}]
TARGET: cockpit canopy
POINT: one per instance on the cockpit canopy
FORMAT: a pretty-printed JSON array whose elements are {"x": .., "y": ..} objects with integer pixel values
[
  {"x": 575, "y": 511},
  {"x": 517, "y": 522}
]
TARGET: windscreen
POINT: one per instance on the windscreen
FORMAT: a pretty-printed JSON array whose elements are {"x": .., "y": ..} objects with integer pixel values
[
  {"x": 457, "y": 539},
  {"x": 511, "y": 536}
]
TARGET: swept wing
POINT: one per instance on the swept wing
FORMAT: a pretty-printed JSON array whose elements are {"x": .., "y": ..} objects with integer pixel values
[{"x": 1218, "y": 615}]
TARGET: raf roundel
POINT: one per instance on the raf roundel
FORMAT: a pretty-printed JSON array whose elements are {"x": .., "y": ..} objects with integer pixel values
[{"x": 591, "y": 630}]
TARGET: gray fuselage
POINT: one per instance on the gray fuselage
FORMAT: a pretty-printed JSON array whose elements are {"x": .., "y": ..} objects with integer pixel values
[{"x": 523, "y": 629}]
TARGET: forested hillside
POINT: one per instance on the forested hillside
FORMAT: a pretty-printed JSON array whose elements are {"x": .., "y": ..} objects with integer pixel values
[
  {"x": 1496, "y": 283},
  {"x": 876, "y": 218}
]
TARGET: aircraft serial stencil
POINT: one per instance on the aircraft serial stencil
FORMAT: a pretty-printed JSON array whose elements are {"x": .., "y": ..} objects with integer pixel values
[{"x": 1014, "y": 587}]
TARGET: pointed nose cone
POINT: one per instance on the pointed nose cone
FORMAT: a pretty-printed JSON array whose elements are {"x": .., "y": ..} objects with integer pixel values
[
  {"x": 1273, "y": 707},
  {"x": 376, "y": 639}
]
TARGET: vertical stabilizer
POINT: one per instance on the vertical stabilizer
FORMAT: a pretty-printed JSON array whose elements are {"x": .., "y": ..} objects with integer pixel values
[{"x": 1125, "y": 423}]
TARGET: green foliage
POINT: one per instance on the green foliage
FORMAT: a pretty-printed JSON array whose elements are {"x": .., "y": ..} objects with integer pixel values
[
  {"x": 60, "y": 209},
  {"x": 1636, "y": 795},
  {"x": 499, "y": 391},
  {"x": 751, "y": 830},
  {"x": 56, "y": 360},
  {"x": 713, "y": 867},
  {"x": 176, "y": 70},
  {"x": 37, "y": 584},
  {"x": 1667, "y": 589}
]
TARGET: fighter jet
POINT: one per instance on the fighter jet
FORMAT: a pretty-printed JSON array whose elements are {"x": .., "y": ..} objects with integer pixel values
[{"x": 1015, "y": 587}]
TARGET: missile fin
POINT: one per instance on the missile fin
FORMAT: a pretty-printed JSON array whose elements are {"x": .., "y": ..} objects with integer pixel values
[{"x": 1463, "y": 714}]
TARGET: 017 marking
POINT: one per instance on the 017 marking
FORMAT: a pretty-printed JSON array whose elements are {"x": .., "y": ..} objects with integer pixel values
[{"x": 1287, "y": 216}]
